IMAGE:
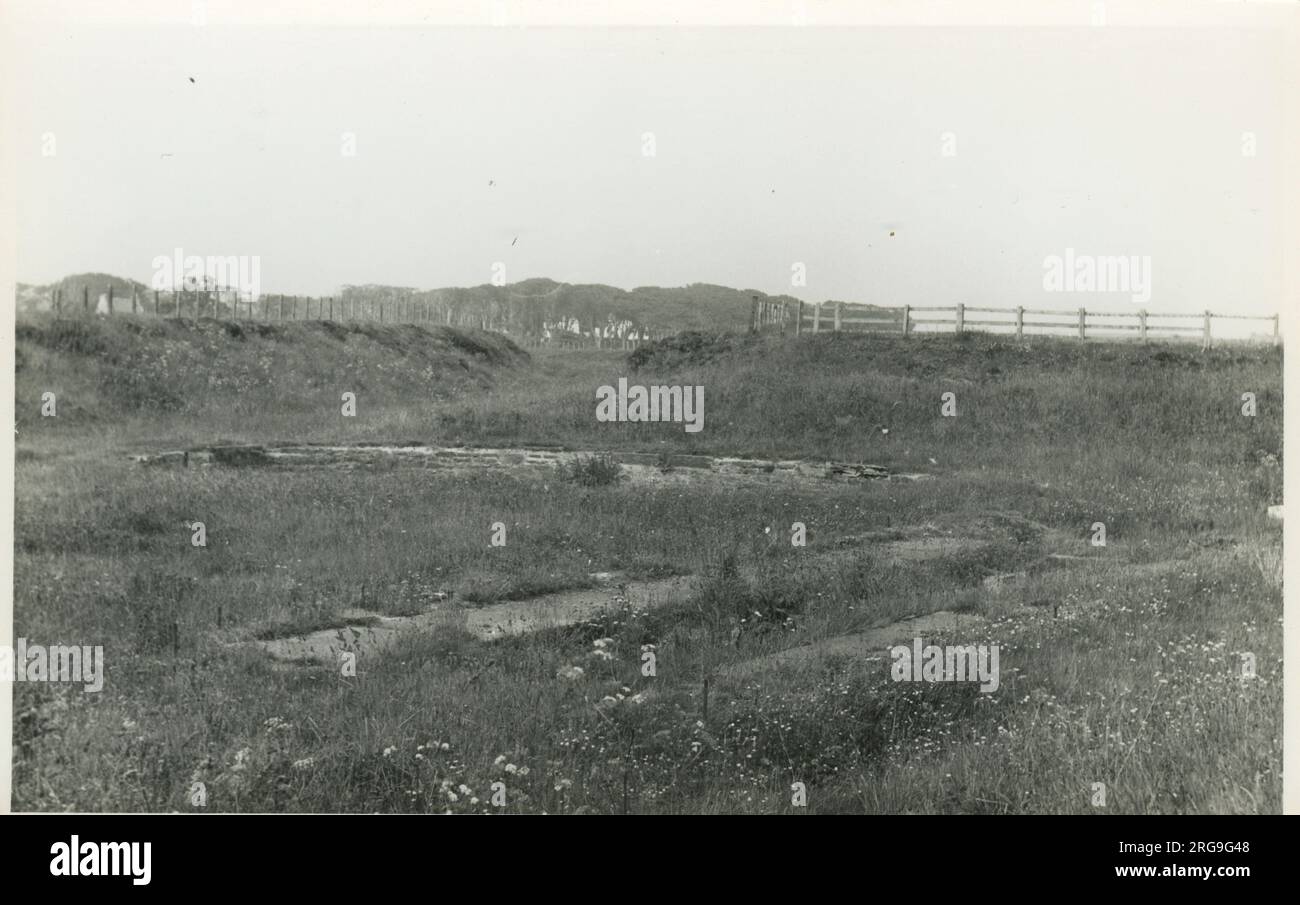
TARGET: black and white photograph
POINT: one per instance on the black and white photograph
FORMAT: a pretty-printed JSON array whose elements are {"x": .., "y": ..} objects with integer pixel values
[{"x": 792, "y": 408}]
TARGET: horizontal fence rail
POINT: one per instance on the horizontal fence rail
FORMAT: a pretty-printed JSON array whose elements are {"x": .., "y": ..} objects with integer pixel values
[
  {"x": 344, "y": 309},
  {"x": 815, "y": 317}
]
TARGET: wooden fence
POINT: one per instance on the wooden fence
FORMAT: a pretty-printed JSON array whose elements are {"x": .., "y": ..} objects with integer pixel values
[
  {"x": 392, "y": 310},
  {"x": 801, "y": 317}
]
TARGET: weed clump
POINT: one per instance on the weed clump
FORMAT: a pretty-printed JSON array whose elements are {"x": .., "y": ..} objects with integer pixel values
[{"x": 593, "y": 471}]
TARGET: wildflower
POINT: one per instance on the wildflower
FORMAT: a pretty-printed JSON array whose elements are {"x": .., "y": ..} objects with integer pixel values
[
  {"x": 572, "y": 673},
  {"x": 511, "y": 769},
  {"x": 305, "y": 763},
  {"x": 242, "y": 757},
  {"x": 563, "y": 784},
  {"x": 388, "y": 752},
  {"x": 501, "y": 759}
]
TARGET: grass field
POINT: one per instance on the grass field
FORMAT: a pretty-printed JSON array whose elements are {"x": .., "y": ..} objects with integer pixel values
[{"x": 1121, "y": 665}]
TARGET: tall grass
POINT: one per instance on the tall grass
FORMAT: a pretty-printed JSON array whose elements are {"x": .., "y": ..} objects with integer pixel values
[{"x": 1131, "y": 676}]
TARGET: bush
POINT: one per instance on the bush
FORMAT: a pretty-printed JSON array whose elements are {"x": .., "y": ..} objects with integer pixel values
[{"x": 593, "y": 471}]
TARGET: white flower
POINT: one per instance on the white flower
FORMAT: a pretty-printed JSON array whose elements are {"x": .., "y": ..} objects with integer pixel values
[
  {"x": 445, "y": 747},
  {"x": 572, "y": 673},
  {"x": 563, "y": 784},
  {"x": 388, "y": 752},
  {"x": 501, "y": 759},
  {"x": 638, "y": 698},
  {"x": 305, "y": 764},
  {"x": 512, "y": 769},
  {"x": 451, "y": 796}
]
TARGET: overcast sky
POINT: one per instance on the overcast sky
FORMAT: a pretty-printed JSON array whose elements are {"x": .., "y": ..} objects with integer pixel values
[{"x": 771, "y": 147}]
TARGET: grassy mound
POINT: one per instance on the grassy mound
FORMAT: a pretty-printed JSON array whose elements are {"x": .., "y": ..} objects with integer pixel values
[{"x": 106, "y": 368}]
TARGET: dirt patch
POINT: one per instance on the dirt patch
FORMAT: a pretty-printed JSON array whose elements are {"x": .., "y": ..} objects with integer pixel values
[
  {"x": 370, "y": 633},
  {"x": 523, "y": 617},
  {"x": 638, "y": 468}
]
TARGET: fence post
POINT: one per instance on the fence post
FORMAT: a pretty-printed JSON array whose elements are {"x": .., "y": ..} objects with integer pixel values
[
  {"x": 110, "y": 299},
  {"x": 58, "y": 303},
  {"x": 1277, "y": 334},
  {"x": 1020, "y": 322},
  {"x": 1205, "y": 338},
  {"x": 798, "y": 320},
  {"x": 907, "y": 320},
  {"x": 1082, "y": 315},
  {"x": 381, "y": 311},
  {"x": 837, "y": 317},
  {"x": 817, "y": 316},
  {"x": 753, "y": 314},
  {"x": 961, "y": 317},
  {"x": 1142, "y": 325},
  {"x": 85, "y": 298},
  {"x": 133, "y": 304}
]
